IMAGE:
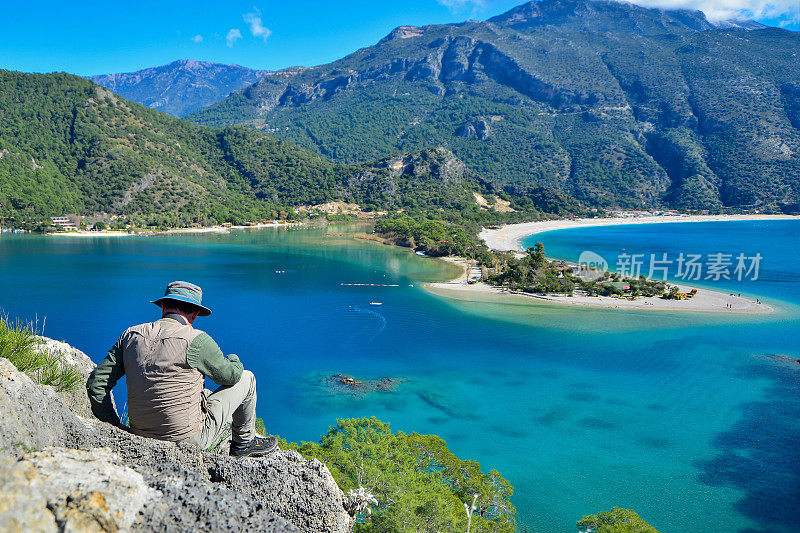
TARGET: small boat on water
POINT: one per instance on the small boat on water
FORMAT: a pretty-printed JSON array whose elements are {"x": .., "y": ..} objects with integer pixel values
[{"x": 376, "y": 303}]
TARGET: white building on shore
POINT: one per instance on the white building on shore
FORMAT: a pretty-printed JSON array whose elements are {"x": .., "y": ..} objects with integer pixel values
[{"x": 64, "y": 222}]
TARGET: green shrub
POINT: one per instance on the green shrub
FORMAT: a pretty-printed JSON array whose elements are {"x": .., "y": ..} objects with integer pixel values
[
  {"x": 418, "y": 484},
  {"x": 18, "y": 344},
  {"x": 615, "y": 521}
]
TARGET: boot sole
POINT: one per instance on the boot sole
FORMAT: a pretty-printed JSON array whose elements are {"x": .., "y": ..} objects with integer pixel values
[{"x": 256, "y": 453}]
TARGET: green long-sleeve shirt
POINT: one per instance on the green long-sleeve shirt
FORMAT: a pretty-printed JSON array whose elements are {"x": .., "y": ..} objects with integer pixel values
[{"x": 203, "y": 354}]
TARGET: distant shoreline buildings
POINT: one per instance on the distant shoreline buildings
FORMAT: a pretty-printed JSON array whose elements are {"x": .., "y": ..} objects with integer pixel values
[{"x": 64, "y": 222}]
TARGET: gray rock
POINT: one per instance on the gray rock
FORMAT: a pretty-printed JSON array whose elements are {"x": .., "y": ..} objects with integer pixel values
[
  {"x": 76, "y": 400},
  {"x": 33, "y": 416},
  {"x": 301, "y": 491},
  {"x": 191, "y": 505},
  {"x": 70, "y": 355},
  {"x": 58, "y": 489},
  {"x": 284, "y": 484},
  {"x": 189, "y": 490},
  {"x": 189, "y": 500}
]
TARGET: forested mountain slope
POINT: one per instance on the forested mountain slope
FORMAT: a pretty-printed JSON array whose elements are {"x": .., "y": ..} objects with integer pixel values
[
  {"x": 613, "y": 103},
  {"x": 70, "y": 146}
]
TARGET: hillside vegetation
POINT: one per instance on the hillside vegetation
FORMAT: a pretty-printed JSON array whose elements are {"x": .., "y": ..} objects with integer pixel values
[
  {"x": 612, "y": 103},
  {"x": 70, "y": 146}
]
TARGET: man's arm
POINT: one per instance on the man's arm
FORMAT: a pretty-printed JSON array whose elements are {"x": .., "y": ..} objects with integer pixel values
[
  {"x": 101, "y": 382},
  {"x": 205, "y": 356}
]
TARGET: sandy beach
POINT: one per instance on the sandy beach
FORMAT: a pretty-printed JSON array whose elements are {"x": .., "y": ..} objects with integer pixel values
[
  {"x": 704, "y": 301},
  {"x": 509, "y": 237},
  {"x": 177, "y": 231},
  {"x": 84, "y": 233}
]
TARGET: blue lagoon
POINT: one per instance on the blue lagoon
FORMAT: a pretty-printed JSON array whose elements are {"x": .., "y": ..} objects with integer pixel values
[{"x": 693, "y": 420}]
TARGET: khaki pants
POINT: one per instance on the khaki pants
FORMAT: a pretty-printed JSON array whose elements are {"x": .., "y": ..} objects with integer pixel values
[{"x": 236, "y": 405}]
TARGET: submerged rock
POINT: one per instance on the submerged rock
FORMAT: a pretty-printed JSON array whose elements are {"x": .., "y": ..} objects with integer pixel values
[{"x": 342, "y": 383}]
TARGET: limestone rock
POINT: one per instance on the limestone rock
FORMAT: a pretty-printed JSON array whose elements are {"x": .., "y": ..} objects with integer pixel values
[
  {"x": 301, "y": 491},
  {"x": 33, "y": 416},
  {"x": 71, "y": 356},
  {"x": 77, "y": 400},
  {"x": 58, "y": 489},
  {"x": 191, "y": 505},
  {"x": 148, "y": 485}
]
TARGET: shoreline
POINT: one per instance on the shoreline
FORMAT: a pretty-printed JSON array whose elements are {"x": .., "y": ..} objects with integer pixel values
[
  {"x": 174, "y": 231},
  {"x": 507, "y": 238},
  {"x": 705, "y": 301}
]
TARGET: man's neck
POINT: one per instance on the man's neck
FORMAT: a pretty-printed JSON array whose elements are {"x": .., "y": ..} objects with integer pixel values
[{"x": 174, "y": 315}]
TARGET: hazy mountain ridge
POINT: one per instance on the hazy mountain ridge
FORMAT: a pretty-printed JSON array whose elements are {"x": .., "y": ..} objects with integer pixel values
[
  {"x": 180, "y": 87},
  {"x": 610, "y": 102}
]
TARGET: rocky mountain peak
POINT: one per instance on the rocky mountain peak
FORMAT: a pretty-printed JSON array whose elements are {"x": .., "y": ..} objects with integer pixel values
[
  {"x": 180, "y": 87},
  {"x": 748, "y": 24},
  {"x": 597, "y": 15},
  {"x": 567, "y": 94},
  {"x": 191, "y": 64},
  {"x": 405, "y": 32}
]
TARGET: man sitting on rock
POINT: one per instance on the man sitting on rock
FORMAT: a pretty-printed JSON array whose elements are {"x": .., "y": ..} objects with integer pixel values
[{"x": 165, "y": 363}]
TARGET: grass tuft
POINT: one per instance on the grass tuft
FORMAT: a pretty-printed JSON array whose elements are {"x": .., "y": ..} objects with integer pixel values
[
  {"x": 222, "y": 437},
  {"x": 18, "y": 344}
]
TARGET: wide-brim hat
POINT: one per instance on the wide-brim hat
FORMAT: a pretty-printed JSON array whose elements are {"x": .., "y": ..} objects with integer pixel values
[{"x": 183, "y": 291}]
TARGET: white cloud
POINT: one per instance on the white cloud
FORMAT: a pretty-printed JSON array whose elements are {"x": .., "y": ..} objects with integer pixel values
[
  {"x": 197, "y": 38},
  {"x": 233, "y": 35},
  {"x": 256, "y": 26},
  {"x": 781, "y": 10},
  {"x": 463, "y": 5}
]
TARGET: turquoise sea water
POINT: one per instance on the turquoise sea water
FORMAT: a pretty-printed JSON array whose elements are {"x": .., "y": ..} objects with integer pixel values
[{"x": 689, "y": 419}]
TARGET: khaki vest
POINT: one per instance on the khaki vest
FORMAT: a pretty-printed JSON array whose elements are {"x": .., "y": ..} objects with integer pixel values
[{"x": 164, "y": 392}]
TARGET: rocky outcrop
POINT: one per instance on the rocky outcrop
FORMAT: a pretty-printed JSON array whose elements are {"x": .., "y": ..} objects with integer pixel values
[
  {"x": 435, "y": 163},
  {"x": 69, "y": 355},
  {"x": 60, "y": 471},
  {"x": 478, "y": 129},
  {"x": 70, "y": 490},
  {"x": 33, "y": 416},
  {"x": 295, "y": 489},
  {"x": 77, "y": 400}
]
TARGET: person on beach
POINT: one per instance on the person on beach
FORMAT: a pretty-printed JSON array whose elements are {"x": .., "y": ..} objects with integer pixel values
[{"x": 165, "y": 363}]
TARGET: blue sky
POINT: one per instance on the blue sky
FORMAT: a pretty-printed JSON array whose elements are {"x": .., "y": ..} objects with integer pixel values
[{"x": 103, "y": 37}]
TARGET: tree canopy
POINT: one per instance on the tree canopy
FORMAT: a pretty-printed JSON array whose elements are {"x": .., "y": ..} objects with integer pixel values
[
  {"x": 418, "y": 484},
  {"x": 615, "y": 521}
]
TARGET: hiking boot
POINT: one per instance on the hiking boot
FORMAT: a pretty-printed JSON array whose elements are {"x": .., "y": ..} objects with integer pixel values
[{"x": 257, "y": 447}]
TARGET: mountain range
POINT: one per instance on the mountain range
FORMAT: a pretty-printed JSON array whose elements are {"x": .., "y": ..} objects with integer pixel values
[
  {"x": 70, "y": 146},
  {"x": 180, "y": 87},
  {"x": 612, "y": 103},
  {"x": 553, "y": 106}
]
